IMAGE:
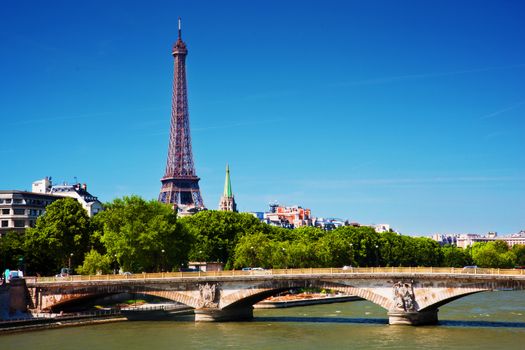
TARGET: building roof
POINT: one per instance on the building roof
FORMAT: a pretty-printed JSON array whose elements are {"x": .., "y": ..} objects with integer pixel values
[{"x": 28, "y": 193}]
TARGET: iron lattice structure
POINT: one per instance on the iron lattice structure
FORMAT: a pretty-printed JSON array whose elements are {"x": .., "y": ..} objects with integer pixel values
[{"x": 180, "y": 185}]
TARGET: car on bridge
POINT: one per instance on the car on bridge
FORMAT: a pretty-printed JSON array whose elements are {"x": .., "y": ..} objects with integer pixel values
[
  {"x": 256, "y": 270},
  {"x": 64, "y": 272},
  {"x": 470, "y": 268}
]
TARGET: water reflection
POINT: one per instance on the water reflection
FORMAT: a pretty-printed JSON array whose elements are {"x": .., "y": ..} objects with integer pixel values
[
  {"x": 321, "y": 320},
  {"x": 492, "y": 324},
  {"x": 483, "y": 322},
  {"x": 446, "y": 323}
]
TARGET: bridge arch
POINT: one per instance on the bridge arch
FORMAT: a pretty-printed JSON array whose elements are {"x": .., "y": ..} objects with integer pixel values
[
  {"x": 436, "y": 300},
  {"x": 249, "y": 297}
]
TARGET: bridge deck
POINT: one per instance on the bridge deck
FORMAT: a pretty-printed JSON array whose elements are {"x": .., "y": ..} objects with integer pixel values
[{"x": 357, "y": 272}]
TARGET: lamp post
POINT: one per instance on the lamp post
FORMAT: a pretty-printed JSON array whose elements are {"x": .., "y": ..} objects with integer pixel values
[
  {"x": 377, "y": 256},
  {"x": 351, "y": 254},
  {"x": 162, "y": 262},
  {"x": 219, "y": 256},
  {"x": 285, "y": 262},
  {"x": 253, "y": 257},
  {"x": 69, "y": 262}
]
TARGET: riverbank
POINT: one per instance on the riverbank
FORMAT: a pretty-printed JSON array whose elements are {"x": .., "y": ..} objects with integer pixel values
[
  {"x": 303, "y": 299},
  {"x": 41, "y": 323},
  {"x": 154, "y": 312}
]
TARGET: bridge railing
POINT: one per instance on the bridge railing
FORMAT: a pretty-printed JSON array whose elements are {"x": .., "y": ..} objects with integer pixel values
[{"x": 303, "y": 271}]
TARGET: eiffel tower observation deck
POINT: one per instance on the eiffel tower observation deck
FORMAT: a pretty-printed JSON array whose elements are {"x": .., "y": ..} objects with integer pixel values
[{"x": 180, "y": 184}]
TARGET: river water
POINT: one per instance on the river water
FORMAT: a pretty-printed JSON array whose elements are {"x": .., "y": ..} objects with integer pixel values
[{"x": 490, "y": 320}]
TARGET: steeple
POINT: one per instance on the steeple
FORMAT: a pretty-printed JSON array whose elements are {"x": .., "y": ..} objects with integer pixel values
[
  {"x": 227, "y": 202},
  {"x": 227, "y": 184}
]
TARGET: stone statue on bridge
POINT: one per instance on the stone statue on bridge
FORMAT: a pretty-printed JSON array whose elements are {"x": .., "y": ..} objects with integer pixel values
[
  {"x": 208, "y": 293},
  {"x": 404, "y": 298}
]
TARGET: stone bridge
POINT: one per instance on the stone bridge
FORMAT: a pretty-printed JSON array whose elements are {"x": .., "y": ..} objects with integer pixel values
[{"x": 410, "y": 295}]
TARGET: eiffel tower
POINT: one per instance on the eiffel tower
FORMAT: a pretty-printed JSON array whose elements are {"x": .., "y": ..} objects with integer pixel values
[{"x": 180, "y": 184}]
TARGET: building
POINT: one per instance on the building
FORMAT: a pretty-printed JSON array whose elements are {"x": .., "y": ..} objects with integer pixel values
[
  {"x": 20, "y": 209},
  {"x": 180, "y": 184},
  {"x": 257, "y": 214},
  {"x": 380, "y": 228},
  {"x": 196, "y": 266},
  {"x": 466, "y": 240},
  {"x": 328, "y": 224},
  {"x": 289, "y": 217},
  {"x": 79, "y": 192},
  {"x": 444, "y": 239},
  {"x": 227, "y": 202}
]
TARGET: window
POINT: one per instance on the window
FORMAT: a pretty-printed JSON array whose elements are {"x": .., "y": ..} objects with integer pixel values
[
  {"x": 17, "y": 201},
  {"x": 5, "y": 223},
  {"x": 5, "y": 211},
  {"x": 8, "y": 201},
  {"x": 20, "y": 223},
  {"x": 19, "y": 211}
]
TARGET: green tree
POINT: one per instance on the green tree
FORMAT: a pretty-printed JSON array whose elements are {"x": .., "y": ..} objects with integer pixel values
[
  {"x": 143, "y": 236},
  {"x": 335, "y": 249},
  {"x": 254, "y": 250},
  {"x": 455, "y": 257},
  {"x": 495, "y": 254},
  {"x": 519, "y": 252},
  {"x": 216, "y": 233},
  {"x": 11, "y": 251},
  {"x": 302, "y": 253},
  {"x": 427, "y": 252},
  {"x": 95, "y": 263},
  {"x": 365, "y": 244},
  {"x": 391, "y": 249},
  {"x": 60, "y": 237}
]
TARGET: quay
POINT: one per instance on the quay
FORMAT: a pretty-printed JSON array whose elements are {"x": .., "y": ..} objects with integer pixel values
[{"x": 279, "y": 303}]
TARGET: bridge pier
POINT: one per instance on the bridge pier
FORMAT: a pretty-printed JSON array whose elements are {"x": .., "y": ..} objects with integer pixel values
[
  {"x": 413, "y": 318},
  {"x": 215, "y": 315}
]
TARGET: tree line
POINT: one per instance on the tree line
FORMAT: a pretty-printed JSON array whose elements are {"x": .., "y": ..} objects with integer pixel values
[{"x": 136, "y": 235}]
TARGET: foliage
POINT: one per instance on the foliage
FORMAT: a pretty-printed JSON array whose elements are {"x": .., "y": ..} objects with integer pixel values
[
  {"x": 427, "y": 252},
  {"x": 142, "y": 235},
  {"x": 519, "y": 252},
  {"x": 335, "y": 249},
  {"x": 455, "y": 257},
  {"x": 60, "y": 237},
  {"x": 493, "y": 254},
  {"x": 216, "y": 233},
  {"x": 12, "y": 251},
  {"x": 95, "y": 263},
  {"x": 255, "y": 250},
  {"x": 356, "y": 246}
]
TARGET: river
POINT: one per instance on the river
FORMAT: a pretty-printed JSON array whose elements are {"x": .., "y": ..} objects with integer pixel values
[{"x": 490, "y": 320}]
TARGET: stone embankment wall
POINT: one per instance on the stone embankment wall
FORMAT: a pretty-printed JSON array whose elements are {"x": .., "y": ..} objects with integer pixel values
[{"x": 14, "y": 299}]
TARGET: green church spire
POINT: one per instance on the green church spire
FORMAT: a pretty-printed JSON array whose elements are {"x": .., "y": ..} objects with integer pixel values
[
  {"x": 227, "y": 184},
  {"x": 227, "y": 202}
]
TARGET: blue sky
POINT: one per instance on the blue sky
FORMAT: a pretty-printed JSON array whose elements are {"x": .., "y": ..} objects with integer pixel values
[{"x": 410, "y": 113}]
